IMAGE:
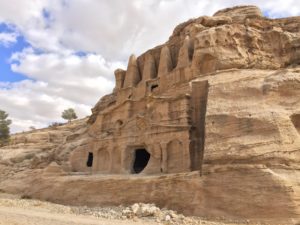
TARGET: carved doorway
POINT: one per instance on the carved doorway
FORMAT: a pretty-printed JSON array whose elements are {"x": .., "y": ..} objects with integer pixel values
[{"x": 141, "y": 159}]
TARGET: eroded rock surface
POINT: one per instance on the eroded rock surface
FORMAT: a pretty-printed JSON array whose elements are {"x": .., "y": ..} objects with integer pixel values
[{"x": 210, "y": 121}]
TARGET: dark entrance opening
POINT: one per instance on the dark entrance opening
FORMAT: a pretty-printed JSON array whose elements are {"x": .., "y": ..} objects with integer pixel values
[
  {"x": 154, "y": 87},
  {"x": 141, "y": 160},
  {"x": 89, "y": 162}
]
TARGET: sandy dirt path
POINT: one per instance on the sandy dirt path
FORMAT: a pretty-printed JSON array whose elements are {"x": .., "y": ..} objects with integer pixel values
[{"x": 17, "y": 216}]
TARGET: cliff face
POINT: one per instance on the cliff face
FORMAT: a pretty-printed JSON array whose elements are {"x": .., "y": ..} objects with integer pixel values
[
  {"x": 36, "y": 149},
  {"x": 239, "y": 38},
  {"x": 222, "y": 98},
  {"x": 237, "y": 76}
]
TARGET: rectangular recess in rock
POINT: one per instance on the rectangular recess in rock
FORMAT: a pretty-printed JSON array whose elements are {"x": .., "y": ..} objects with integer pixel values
[
  {"x": 198, "y": 111},
  {"x": 90, "y": 159}
]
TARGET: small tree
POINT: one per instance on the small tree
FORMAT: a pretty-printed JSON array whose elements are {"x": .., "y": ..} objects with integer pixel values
[
  {"x": 69, "y": 114},
  {"x": 32, "y": 128},
  {"x": 4, "y": 128}
]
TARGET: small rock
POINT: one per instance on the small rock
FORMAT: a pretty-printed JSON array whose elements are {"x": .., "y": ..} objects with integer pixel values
[
  {"x": 174, "y": 215},
  {"x": 149, "y": 210},
  {"x": 167, "y": 218},
  {"x": 123, "y": 217},
  {"x": 135, "y": 208},
  {"x": 127, "y": 213}
]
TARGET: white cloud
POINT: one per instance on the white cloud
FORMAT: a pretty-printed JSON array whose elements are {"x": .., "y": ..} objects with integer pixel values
[
  {"x": 32, "y": 103},
  {"x": 21, "y": 13},
  {"x": 58, "y": 82},
  {"x": 114, "y": 28},
  {"x": 107, "y": 31},
  {"x": 8, "y": 39},
  {"x": 117, "y": 28}
]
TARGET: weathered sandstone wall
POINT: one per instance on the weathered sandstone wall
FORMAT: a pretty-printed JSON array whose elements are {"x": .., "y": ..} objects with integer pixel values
[{"x": 221, "y": 98}]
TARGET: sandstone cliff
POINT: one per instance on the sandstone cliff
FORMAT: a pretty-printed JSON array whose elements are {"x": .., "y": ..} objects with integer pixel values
[
  {"x": 38, "y": 148},
  {"x": 217, "y": 108}
]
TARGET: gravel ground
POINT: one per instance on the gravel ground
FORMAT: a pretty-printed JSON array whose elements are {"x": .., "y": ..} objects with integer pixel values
[{"x": 16, "y": 211}]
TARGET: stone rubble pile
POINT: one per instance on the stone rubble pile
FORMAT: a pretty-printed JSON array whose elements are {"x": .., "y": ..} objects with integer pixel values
[
  {"x": 138, "y": 211},
  {"x": 141, "y": 210}
]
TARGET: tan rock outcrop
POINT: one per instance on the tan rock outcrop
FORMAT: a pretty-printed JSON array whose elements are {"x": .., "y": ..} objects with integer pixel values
[
  {"x": 54, "y": 168},
  {"x": 153, "y": 117},
  {"x": 240, "y": 13},
  {"x": 185, "y": 53},
  {"x": 213, "y": 115},
  {"x": 165, "y": 63},
  {"x": 120, "y": 78},
  {"x": 149, "y": 71},
  {"x": 132, "y": 75}
]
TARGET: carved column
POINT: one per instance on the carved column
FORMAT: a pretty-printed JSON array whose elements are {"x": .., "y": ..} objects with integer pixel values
[{"x": 132, "y": 75}]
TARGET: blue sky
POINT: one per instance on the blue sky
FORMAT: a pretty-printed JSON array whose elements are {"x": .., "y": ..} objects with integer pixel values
[
  {"x": 5, "y": 53},
  {"x": 57, "y": 54}
]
